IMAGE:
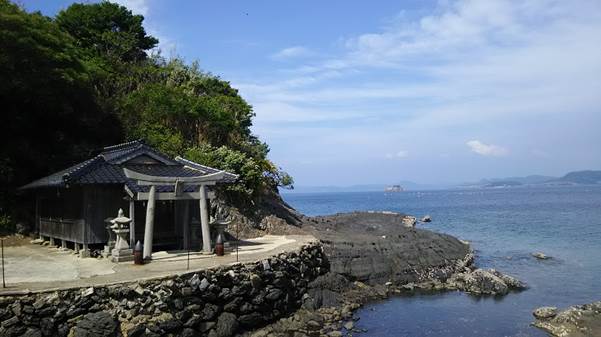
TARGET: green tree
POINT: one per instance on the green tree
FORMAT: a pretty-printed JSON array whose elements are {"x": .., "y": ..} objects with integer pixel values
[
  {"x": 114, "y": 45},
  {"x": 50, "y": 117},
  {"x": 108, "y": 30},
  {"x": 256, "y": 175}
]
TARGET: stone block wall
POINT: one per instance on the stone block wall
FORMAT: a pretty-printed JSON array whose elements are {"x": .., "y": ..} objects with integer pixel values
[{"x": 215, "y": 302}]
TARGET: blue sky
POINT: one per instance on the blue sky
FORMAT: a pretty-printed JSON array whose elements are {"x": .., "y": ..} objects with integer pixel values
[{"x": 357, "y": 92}]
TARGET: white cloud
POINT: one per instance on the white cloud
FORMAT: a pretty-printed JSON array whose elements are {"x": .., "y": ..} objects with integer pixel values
[
  {"x": 518, "y": 71},
  {"x": 292, "y": 52},
  {"x": 486, "y": 149},
  {"x": 136, "y": 6},
  {"x": 402, "y": 154},
  {"x": 399, "y": 154}
]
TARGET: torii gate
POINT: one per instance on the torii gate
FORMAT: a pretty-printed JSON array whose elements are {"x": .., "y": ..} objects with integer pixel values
[{"x": 178, "y": 183}]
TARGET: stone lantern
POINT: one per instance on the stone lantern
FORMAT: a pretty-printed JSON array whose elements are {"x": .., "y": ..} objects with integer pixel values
[
  {"x": 111, "y": 241},
  {"x": 122, "y": 252}
]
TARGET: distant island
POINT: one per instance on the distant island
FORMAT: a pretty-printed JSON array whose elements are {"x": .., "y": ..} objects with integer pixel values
[
  {"x": 405, "y": 185},
  {"x": 580, "y": 177},
  {"x": 588, "y": 177}
]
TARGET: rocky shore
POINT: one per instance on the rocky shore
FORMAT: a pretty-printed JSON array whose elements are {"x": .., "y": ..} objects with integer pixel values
[
  {"x": 378, "y": 248},
  {"x": 375, "y": 255},
  {"x": 577, "y": 321}
]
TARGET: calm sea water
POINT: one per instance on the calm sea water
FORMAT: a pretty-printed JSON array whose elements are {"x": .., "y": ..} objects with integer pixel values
[{"x": 504, "y": 227}]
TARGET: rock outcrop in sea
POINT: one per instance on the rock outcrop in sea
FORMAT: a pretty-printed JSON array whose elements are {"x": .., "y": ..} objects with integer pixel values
[
  {"x": 377, "y": 248},
  {"x": 374, "y": 255},
  {"x": 577, "y": 321}
]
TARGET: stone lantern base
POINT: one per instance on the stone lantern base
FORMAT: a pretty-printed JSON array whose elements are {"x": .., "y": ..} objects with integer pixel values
[
  {"x": 122, "y": 252},
  {"x": 122, "y": 255}
]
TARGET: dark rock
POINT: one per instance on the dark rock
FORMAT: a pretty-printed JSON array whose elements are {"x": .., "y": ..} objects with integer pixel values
[
  {"x": 209, "y": 296},
  {"x": 225, "y": 294},
  {"x": 355, "y": 247},
  {"x": 209, "y": 312},
  {"x": 178, "y": 304},
  {"x": 238, "y": 290},
  {"x": 246, "y": 308},
  {"x": 193, "y": 308},
  {"x": 206, "y": 326},
  {"x": 96, "y": 324},
  {"x": 11, "y": 321},
  {"x": 13, "y": 331},
  {"x": 28, "y": 309},
  {"x": 226, "y": 325},
  {"x": 274, "y": 294},
  {"x": 31, "y": 332},
  {"x": 250, "y": 320},
  {"x": 325, "y": 290},
  {"x": 62, "y": 330},
  {"x": 187, "y": 332},
  {"x": 282, "y": 283},
  {"x": 74, "y": 311},
  {"x": 193, "y": 321},
  {"x": 48, "y": 311},
  {"x": 259, "y": 299},
  {"x": 170, "y": 325}
]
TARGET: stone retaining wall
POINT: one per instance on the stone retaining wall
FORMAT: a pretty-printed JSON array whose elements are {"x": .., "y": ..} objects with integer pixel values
[{"x": 214, "y": 302}]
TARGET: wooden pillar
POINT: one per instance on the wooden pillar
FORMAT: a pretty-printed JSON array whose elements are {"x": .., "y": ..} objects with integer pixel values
[
  {"x": 132, "y": 224},
  {"x": 63, "y": 244},
  {"x": 204, "y": 221},
  {"x": 148, "y": 228},
  {"x": 186, "y": 222}
]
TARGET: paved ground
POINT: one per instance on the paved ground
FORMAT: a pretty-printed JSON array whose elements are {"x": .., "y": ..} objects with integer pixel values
[{"x": 34, "y": 268}]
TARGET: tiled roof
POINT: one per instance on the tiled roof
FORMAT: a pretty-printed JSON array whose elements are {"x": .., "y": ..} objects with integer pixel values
[
  {"x": 229, "y": 177},
  {"x": 121, "y": 153},
  {"x": 166, "y": 171},
  {"x": 107, "y": 168}
]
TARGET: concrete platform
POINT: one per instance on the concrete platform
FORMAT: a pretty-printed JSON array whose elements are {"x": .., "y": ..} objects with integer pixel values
[{"x": 32, "y": 268}]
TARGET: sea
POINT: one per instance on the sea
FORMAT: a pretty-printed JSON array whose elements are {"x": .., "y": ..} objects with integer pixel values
[{"x": 504, "y": 226}]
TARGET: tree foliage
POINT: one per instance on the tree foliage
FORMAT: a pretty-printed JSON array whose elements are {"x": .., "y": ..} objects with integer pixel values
[
  {"x": 50, "y": 116},
  {"x": 108, "y": 30},
  {"x": 87, "y": 78}
]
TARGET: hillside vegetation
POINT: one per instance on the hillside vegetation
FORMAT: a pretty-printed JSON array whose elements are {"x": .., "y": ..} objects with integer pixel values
[
  {"x": 91, "y": 77},
  {"x": 582, "y": 177}
]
